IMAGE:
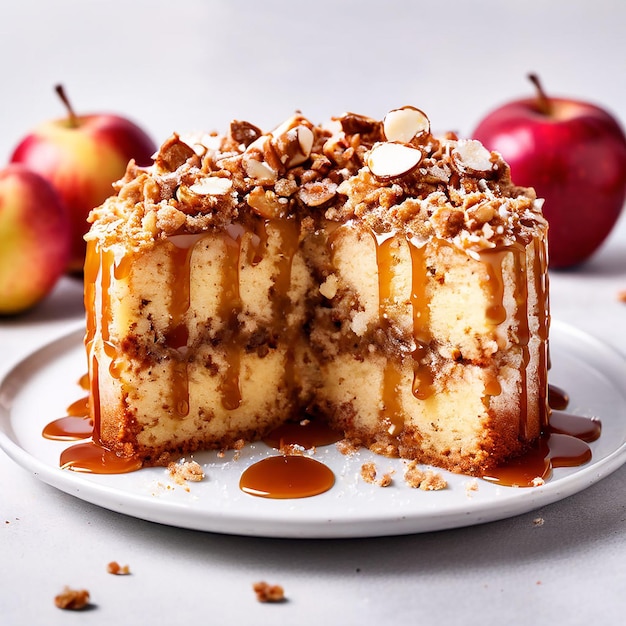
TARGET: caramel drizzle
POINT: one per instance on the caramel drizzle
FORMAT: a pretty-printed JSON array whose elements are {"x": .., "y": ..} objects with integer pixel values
[
  {"x": 289, "y": 230},
  {"x": 423, "y": 376},
  {"x": 391, "y": 410},
  {"x": 543, "y": 309},
  {"x": 230, "y": 303},
  {"x": 496, "y": 311},
  {"x": 229, "y": 307}
]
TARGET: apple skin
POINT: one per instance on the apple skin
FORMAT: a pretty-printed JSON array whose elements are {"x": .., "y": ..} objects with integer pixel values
[
  {"x": 35, "y": 239},
  {"x": 574, "y": 155},
  {"x": 82, "y": 156}
]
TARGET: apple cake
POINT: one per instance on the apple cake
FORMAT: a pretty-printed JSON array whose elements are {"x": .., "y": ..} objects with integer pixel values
[{"x": 364, "y": 272}]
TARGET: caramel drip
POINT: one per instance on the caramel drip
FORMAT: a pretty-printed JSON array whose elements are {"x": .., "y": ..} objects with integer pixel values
[
  {"x": 94, "y": 397},
  {"x": 423, "y": 376},
  {"x": 177, "y": 334},
  {"x": 257, "y": 243},
  {"x": 69, "y": 428},
  {"x": 523, "y": 330},
  {"x": 92, "y": 458},
  {"x": 228, "y": 310},
  {"x": 391, "y": 411},
  {"x": 582, "y": 428},
  {"x": 496, "y": 312},
  {"x": 79, "y": 408},
  {"x": 289, "y": 230},
  {"x": 90, "y": 276},
  {"x": 83, "y": 382},
  {"x": 283, "y": 477},
  {"x": 308, "y": 434},
  {"x": 75, "y": 425},
  {"x": 97, "y": 277},
  {"x": 558, "y": 399},
  {"x": 563, "y": 444},
  {"x": 543, "y": 311}
]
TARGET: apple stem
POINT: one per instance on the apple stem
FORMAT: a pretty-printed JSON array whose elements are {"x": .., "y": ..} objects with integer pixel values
[
  {"x": 543, "y": 102},
  {"x": 72, "y": 119}
]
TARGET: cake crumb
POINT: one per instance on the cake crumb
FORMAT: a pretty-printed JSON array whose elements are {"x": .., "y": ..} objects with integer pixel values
[
  {"x": 293, "y": 449},
  {"x": 238, "y": 447},
  {"x": 470, "y": 487},
  {"x": 268, "y": 593},
  {"x": 72, "y": 599},
  {"x": 369, "y": 475},
  {"x": 538, "y": 481},
  {"x": 426, "y": 480},
  {"x": 118, "y": 570},
  {"x": 538, "y": 521},
  {"x": 184, "y": 471},
  {"x": 347, "y": 447}
]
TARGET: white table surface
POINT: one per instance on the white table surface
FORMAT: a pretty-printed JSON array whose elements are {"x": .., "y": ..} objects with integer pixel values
[{"x": 571, "y": 569}]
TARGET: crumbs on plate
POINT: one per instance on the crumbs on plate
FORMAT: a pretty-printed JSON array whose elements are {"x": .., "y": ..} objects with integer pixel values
[
  {"x": 184, "y": 471},
  {"x": 369, "y": 474},
  {"x": 426, "y": 480}
]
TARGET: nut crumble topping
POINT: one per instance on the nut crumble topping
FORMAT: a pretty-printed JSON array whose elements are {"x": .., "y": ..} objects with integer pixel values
[{"x": 385, "y": 173}]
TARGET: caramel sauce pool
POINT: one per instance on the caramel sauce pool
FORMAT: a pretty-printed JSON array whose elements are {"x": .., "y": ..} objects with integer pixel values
[
  {"x": 283, "y": 476},
  {"x": 287, "y": 476}
]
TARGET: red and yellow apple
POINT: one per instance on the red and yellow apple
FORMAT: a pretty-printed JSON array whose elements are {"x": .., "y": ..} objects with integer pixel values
[
  {"x": 35, "y": 239},
  {"x": 574, "y": 154},
  {"x": 82, "y": 156}
]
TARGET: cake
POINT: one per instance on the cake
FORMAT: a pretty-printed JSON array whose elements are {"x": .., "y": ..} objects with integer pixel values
[{"x": 364, "y": 272}]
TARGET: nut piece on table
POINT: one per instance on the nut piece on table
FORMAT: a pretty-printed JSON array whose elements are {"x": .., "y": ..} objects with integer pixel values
[
  {"x": 268, "y": 593},
  {"x": 72, "y": 599}
]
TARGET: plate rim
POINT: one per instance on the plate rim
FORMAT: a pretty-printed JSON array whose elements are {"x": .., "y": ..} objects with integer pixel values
[{"x": 272, "y": 524}]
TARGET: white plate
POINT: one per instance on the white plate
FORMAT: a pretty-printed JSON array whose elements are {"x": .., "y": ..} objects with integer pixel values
[{"x": 41, "y": 387}]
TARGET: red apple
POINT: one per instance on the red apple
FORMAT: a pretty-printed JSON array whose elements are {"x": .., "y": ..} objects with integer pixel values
[
  {"x": 574, "y": 154},
  {"x": 82, "y": 156},
  {"x": 35, "y": 239}
]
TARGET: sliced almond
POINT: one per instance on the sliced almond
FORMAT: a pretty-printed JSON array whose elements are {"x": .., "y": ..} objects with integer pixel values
[
  {"x": 405, "y": 124},
  {"x": 259, "y": 170},
  {"x": 293, "y": 145},
  {"x": 254, "y": 161},
  {"x": 212, "y": 186},
  {"x": 305, "y": 141},
  {"x": 471, "y": 157},
  {"x": 391, "y": 160}
]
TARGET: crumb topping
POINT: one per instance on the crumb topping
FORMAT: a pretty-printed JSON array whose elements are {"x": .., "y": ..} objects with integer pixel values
[{"x": 391, "y": 174}]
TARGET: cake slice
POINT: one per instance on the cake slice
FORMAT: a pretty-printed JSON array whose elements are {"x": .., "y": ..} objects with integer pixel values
[{"x": 368, "y": 273}]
